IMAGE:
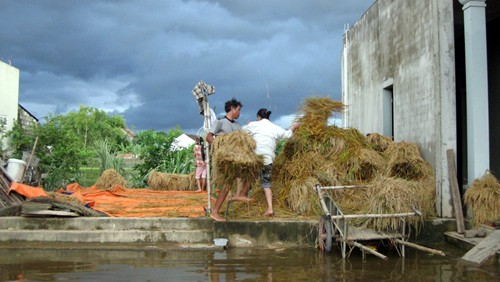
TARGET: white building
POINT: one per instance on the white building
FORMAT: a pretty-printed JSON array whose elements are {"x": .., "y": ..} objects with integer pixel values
[
  {"x": 426, "y": 72},
  {"x": 9, "y": 96}
]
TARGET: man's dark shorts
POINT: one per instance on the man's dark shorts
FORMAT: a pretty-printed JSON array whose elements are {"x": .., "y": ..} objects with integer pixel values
[{"x": 265, "y": 176}]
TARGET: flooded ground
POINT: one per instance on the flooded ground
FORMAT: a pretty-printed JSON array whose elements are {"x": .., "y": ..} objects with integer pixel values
[{"x": 234, "y": 264}]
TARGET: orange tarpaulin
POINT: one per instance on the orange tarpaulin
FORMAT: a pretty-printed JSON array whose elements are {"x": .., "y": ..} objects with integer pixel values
[
  {"x": 27, "y": 191},
  {"x": 131, "y": 202}
]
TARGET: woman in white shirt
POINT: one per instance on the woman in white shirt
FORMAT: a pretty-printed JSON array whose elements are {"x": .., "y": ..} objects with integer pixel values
[{"x": 266, "y": 135}]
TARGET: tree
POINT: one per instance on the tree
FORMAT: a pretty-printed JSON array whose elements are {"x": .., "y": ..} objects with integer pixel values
[{"x": 66, "y": 142}]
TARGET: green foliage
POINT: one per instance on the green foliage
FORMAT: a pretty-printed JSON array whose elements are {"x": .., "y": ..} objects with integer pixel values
[
  {"x": 71, "y": 145},
  {"x": 19, "y": 140},
  {"x": 67, "y": 142},
  {"x": 154, "y": 149},
  {"x": 61, "y": 153},
  {"x": 106, "y": 156},
  {"x": 92, "y": 124},
  {"x": 3, "y": 129}
]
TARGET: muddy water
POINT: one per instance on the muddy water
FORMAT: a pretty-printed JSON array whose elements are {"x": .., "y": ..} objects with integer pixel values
[{"x": 242, "y": 264}]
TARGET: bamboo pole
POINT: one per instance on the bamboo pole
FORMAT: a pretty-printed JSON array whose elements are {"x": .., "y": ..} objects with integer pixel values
[
  {"x": 341, "y": 187},
  {"x": 353, "y": 216},
  {"x": 366, "y": 249},
  {"x": 421, "y": 248},
  {"x": 207, "y": 153}
]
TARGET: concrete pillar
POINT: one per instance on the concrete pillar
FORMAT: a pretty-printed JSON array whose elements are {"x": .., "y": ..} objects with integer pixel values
[{"x": 478, "y": 141}]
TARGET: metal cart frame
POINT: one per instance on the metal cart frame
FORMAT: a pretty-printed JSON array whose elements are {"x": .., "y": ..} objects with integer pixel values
[{"x": 347, "y": 234}]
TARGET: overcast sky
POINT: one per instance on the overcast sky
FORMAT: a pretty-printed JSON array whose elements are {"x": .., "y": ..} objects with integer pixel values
[{"x": 141, "y": 59}]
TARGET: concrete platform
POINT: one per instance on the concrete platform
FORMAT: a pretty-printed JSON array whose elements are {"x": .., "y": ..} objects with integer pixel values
[
  {"x": 156, "y": 232},
  {"x": 187, "y": 232}
]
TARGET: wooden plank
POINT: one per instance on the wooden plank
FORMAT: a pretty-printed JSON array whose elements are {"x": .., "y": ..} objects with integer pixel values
[
  {"x": 7, "y": 199},
  {"x": 357, "y": 234},
  {"x": 455, "y": 193},
  {"x": 46, "y": 213},
  {"x": 486, "y": 249}
]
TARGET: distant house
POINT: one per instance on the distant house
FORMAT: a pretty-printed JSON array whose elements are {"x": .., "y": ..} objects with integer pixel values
[
  {"x": 26, "y": 119},
  {"x": 184, "y": 141},
  {"x": 129, "y": 134}
]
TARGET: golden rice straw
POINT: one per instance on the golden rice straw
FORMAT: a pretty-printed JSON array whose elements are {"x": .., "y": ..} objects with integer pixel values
[
  {"x": 363, "y": 166},
  {"x": 170, "y": 181},
  {"x": 483, "y": 196},
  {"x": 64, "y": 198},
  {"x": 109, "y": 179},
  {"x": 395, "y": 195},
  {"x": 233, "y": 156},
  {"x": 404, "y": 161},
  {"x": 302, "y": 197},
  {"x": 378, "y": 142}
]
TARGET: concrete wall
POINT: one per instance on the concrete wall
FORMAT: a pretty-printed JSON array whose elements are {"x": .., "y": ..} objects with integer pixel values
[
  {"x": 406, "y": 46},
  {"x": 9, "y": 94}
]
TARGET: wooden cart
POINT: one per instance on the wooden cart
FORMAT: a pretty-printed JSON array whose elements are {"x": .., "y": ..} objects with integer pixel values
[{"x": 334, "y": 225}]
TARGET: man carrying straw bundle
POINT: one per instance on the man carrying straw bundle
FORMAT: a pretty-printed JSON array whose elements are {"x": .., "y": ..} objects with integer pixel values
[
  {"x": 225, "y": 125},
  {"x": 266, "y": 134}
]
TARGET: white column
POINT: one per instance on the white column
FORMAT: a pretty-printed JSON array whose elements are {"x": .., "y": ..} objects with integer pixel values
[{"x": 478, "y": 140}]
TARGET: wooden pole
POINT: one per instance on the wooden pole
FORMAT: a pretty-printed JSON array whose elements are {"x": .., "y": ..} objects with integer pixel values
[
  {"x": 366, "y": 249},
  {"x": 29, "y": 159},
  {"x": 455, "y": 193},
  {"x": 418, "y": 247},
  {"x": 341, "y": 187}
]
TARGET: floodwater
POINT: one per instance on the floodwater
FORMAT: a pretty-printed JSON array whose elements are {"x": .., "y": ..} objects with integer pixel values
[{"x": 235, "y": 264}]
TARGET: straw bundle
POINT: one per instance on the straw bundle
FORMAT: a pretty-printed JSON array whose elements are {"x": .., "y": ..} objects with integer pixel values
[
  {"x": 364, "y": 165},
  {"x": 404, "y": 161},
  {"x": 109, "y": 179},
  {"x": 233, "y": 156},
  {"x": 170, "y": 181},
  {"x": 378, "y": 142},
  {"x": 302, "y": 197},
  {"x": 394, "y": 195},
  {"x": 64, "y": 198},
  {"x": 317, "y": 110},
  {"x": 483, "y": 196},
  {"x": 351, "y": 201}
]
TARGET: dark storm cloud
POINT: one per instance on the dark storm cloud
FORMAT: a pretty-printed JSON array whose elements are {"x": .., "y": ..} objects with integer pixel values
[{"x": 141, "y": 59}]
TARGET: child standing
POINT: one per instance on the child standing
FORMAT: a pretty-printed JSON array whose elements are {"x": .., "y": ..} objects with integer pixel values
[{"x": 201, "y": 165}]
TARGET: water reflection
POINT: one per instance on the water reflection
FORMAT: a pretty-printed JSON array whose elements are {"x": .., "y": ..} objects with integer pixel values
[{"x": 233, "y": 265}]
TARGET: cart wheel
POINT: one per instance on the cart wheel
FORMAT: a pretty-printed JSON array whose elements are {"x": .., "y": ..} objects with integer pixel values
[{"x": 325, "y": 234}]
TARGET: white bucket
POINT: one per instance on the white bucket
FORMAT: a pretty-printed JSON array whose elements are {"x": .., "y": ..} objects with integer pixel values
[
  {"x": 221, "y": 242},
  {"x": 15, "y": 169}
]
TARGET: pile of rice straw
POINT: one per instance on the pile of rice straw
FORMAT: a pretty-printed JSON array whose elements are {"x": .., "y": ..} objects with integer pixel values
[
  {"x": 483, "y": 196},
  {"x": 233, "y": 156},
  {"x": 109, "y": 179},
  {"x": 398, "y": 178},
  {"x": 171, "y": 181}
]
